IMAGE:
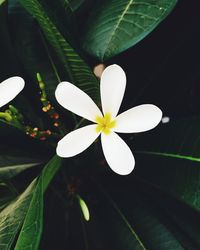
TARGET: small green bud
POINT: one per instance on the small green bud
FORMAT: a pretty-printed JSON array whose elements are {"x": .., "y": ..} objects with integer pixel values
[
  {"x": 84, "y": 208},
  {"x": 39, "y": 77},
  {"x": 6, "y": 116},
  {"x": 41, "y": 83},
  {"x": 8, "y": 111},
  {"x": 13, "y": 109}
]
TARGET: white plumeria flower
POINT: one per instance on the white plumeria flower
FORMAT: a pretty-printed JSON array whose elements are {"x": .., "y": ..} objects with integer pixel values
[
  {"x": 10, "y": 88},
  {"x": 138, "y": 119}
]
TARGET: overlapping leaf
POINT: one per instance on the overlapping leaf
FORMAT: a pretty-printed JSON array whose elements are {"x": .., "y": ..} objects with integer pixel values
[
  {"x": 30, "y": 48},
  {"x": 11, "y": 218},
  {"x": 27, "y": 212},
  {"x": 78, "y": 71},
  {"x": 31, "y": 231}
]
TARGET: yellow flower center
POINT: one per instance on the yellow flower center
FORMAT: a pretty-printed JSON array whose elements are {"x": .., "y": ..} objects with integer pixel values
[{"x": 105, "y": 123}]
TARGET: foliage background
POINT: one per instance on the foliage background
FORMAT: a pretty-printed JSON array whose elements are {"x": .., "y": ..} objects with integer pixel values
[{"x": 157, "y": 206}]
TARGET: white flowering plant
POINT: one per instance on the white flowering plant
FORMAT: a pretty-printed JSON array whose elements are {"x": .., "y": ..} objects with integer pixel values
[{"x": 91, "y": 156}]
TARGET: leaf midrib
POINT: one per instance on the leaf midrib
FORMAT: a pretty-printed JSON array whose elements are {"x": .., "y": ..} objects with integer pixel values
[
  {"x": 127, "y": 223},
  {"x": 117, "y": 25}
]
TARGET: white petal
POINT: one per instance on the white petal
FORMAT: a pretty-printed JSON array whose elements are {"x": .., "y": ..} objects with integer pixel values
[
  {"x": 10, "y": 88},
  {"x": 77, "y": 141},
  {"x": 117, "y": 154},
  {"x": 113, "y": 84},
  {"x": 76, "y": 101},
  {"x": 138, "y": 119}
]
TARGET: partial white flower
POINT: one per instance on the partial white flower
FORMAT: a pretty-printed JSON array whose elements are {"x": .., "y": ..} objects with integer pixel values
[
  {"x": 10, "y": 88},
  {"x": 137, "y": 119}
]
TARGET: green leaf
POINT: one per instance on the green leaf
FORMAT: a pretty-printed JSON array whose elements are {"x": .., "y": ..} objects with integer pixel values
[
  {"x": 185, "y": 219},
  {"x": 5, "y": 201},
  {"x": 78, "y": 71},
  {"x": 11, "y": 166},
  {"x": 31, "y": 49},
  {"x": 50, "y": 170},
  {"x": 136, "y": 222},
  {"x": 8, "y": 62},
  {"x": 31, "y": 231},
  {"x": 29, "y": 237},
  {"x": 11, "y": 217},
  {"x": 26, "y": 212},
  {"x": 117, "y": 25},
  {"x": 168, "y": 158},
  {"x": 106, "y": 217}
]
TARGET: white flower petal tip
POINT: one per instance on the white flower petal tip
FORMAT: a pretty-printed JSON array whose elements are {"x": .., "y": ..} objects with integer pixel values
[
  {"x": 76, "y": 141},
  {"x": 138, "y": 119},
  {"x": 75, "y": 100},
  {"x": 10, "y": 88},
  {"x": 117, "y": 153},
  {"x": 113, "y": 84}
]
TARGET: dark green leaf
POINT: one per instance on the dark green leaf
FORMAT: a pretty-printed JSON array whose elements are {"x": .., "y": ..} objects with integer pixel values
[
  {"x": 5, "y": 202},
  {"x": 31, "y": 231},
  {"x": 112, "y": 224},
  {"x": 11, "y": 166},
  {"x": 117, "y": 25},
  {"x": 8, "y": 61},
  {"x": 185, "y": 219},
  {"x": 78, "y": 71},
  {"x": 26, "y": 212},
  {"x": 169, "y": 158},
  {"x": 126, "y": 219},
  {"x": 11, "y": 217},
  {"x": 31, "y": 49}
]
